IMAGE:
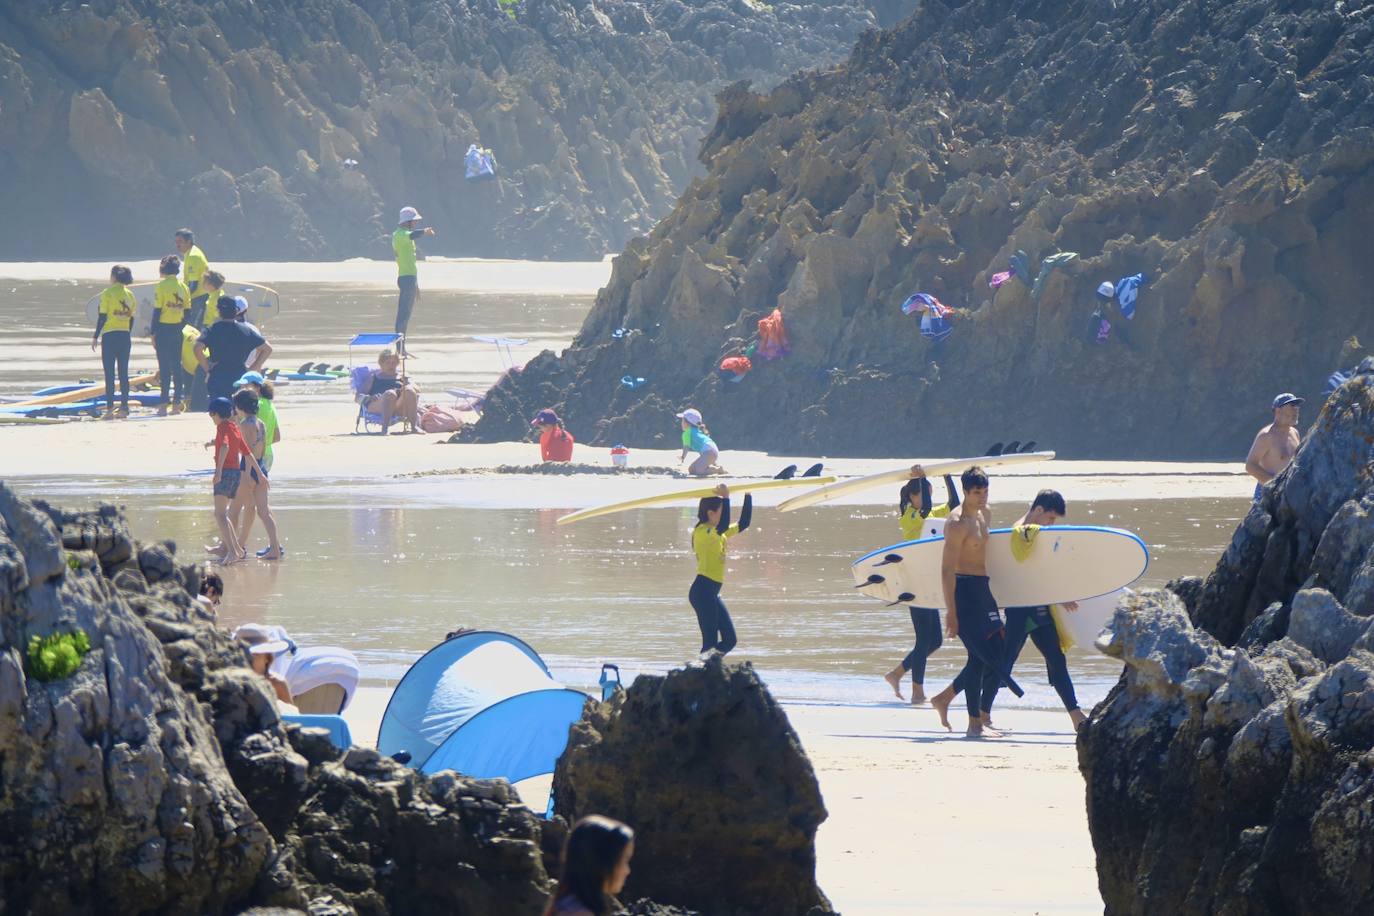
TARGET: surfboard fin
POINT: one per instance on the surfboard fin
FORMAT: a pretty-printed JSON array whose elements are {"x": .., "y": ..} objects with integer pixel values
[
  {"x": 890, "y": 558},
  {"x": 1012, "y": 447},
  {"x": 903, "y": 598},
  {"x": 814, "y": 470},
  {"x": 874, "y": 579},
  {"x": 993, "y": 450},
  {"x": 786, "y": 473},
  {"x": 1028, "y": 447},
  {"x": 305, "y": 367}
]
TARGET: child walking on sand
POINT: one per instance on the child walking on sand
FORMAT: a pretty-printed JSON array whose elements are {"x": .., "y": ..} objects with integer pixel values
[
  {"x": 253, "y": 491},
  {"x": 230, "y": 452},
  {"x": 709, "y": 538},
  {"x": 697, "y": 438},
  {"x": 913, "y": 505}
]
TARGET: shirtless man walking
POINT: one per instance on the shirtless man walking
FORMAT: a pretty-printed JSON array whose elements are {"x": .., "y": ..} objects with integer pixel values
[
  {"x": 971, "y": 611},
  {"x": 1276, "y": 444}
]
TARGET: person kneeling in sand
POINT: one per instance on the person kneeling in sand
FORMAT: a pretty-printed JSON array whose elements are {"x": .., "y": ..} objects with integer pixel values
[
  {"x": 320, "y": 680},
  {"x": 392, "y": 395},
  {"x": 697, "y": 438},
  {"x": 555, "y": 442}
]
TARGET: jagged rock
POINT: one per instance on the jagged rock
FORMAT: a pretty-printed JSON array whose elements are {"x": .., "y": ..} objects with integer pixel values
[
  {"x": 677, "y": 757},
  {"x": 1241, "y": 780},
  {"x": 1226, "y": 151},
  {"x": 244, "y": 122},
  {"x": 160, "y": 778}
]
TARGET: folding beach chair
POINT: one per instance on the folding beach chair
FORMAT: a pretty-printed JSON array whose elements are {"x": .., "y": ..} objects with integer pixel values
[{"x": 360, "y": 379}]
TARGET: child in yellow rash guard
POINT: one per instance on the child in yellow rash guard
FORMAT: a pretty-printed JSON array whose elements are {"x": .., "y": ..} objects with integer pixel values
[
  {"x": 709, "y": 538},
  {"x": 913, "y": 504},
  {"x": 171, "y": 299},
  {"x": 112, "y": 331}
]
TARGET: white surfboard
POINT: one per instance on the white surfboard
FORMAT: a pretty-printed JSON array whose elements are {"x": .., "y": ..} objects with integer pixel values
[
  {"x": 1066, "y": 563},
  {"x": 688, "y": 495},
  {"x": 933, "y": 469},
  {"x": 263, "y": 302},
  {"x": 1093, "y": 614}
]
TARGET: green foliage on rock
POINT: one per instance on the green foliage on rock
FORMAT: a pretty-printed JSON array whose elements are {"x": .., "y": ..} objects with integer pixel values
[{"x": 56, "y": 656}]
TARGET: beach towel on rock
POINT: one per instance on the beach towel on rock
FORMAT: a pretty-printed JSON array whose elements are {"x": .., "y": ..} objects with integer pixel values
[
  {"x": 997, "y": 279},
  {"x": 935, "y": 315},
  {"x": 1020, "y": 266},
  {"x": 773, "y": 342},
  {"x": 1127, "y": 288}
]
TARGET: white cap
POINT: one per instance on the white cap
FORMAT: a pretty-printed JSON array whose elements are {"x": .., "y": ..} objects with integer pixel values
[
  {"x": 691, "y": 415},
  {"x": 261, "y": 639},
  {"x": 408, "y": 214},
  {"x": 1106, "y": 288}
]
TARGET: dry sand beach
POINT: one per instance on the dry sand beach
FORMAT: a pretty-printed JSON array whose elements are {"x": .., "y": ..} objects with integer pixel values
[{"x": 920, "y": 820}]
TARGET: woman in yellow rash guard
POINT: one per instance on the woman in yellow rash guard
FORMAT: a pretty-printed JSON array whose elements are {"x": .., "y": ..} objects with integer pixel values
[
  {"x": 713, "y": 529},
  {"x": 171, "y": 299},
  {"x": 112, "y": 331},
  {"x": 914, "y": 505}
]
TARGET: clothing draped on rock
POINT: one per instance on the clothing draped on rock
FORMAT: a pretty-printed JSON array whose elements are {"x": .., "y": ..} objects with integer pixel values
[
  {"x": 479, "y": 164},
  {"x": 997, "y": 279},
  {"x": 1127, "y": 288},
  {"x": 1020, "y": 266},
  {"x": 736, "y": 367},
  {"x": 935, "y": 315},
  {"x": 1047, "y": 267},
  {"x": 773, "y": 342}
]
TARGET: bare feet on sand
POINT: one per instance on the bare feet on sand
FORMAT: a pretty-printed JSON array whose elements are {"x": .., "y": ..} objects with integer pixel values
[
  {"x": 940, "y": 703},
  {"x": 918, "y": 696},
  {"x": 976, "y": 729},
  {"x": 894, "y": 680}
]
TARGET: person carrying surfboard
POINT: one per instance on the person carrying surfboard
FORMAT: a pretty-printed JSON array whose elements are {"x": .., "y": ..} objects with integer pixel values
[
  {"x": 913, "y": 506},
  {"x": 697, "y": 438},
  {"x": 709, "y": 537},
  {"x": 972, "y": 613},
  {"x": 1037, "y": 623}
]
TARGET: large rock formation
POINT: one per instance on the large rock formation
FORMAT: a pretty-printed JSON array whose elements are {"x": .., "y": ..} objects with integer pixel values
[
  {"x": 1232, "y": 771},
  {"x": 126, "y": 119},
  {"x": 158, "y": 777},
  {"x": 1225, "y": 149},
  {"x": 705, "y": 766}
]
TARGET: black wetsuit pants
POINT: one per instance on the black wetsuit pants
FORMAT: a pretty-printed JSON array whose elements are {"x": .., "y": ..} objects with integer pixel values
[
  {"x": 981, "y": 632},
  {"x": 717, "y": 629},
  {"x": 114, "y": 354},
  {"x": 926, "y": 622},
  {"x": 405, "y": 302},
  {"x": 197, "y": 397},
  {"x": 167, "y": 341},
  {"x": 1046, "y": 638}
]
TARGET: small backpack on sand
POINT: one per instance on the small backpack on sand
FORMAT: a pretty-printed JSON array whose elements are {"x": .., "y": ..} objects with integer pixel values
[{"x": 436, "y": 419}]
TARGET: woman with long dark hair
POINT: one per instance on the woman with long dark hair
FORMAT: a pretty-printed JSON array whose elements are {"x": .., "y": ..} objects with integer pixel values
[
  {"x": 709, "y": 537},
  {"x": 596, "y": 862}
]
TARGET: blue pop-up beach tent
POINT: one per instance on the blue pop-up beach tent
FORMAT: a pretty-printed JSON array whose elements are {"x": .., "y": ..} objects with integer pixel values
[{"x": 481, "y": 703}]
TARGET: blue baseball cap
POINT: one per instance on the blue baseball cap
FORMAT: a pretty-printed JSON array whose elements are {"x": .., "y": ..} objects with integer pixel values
[
  {"x": 220, "y": 407},
  {"x": 1287, "y": 398},
  {"x": 250, "y": 378}
]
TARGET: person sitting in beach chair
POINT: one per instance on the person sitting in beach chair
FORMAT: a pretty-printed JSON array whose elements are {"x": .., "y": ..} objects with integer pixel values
[{"x": 383, "y": 394}]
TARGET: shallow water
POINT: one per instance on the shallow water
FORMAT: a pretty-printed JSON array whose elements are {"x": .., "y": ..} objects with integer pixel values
[
  {"x": 386, "y": 567},
  {"x": 46, "y": 340},
  {"x": 389, "y": 577}
]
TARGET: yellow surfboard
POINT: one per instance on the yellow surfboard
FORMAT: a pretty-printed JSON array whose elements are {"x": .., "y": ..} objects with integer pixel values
[
  {"x": 83, "y": 394},
  {"x": 933, "y": 469},
  {"x": 687, "y": 495}
]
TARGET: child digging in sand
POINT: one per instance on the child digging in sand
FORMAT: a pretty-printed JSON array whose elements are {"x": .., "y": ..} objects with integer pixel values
[
  {"x": 913, "y": 505},
  {"x": 230, "y": 451}
]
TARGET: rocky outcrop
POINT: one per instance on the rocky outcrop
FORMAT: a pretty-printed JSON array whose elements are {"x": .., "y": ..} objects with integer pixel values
[
  {"x": 1231, "y": 770},
  {"x": 157, "y": 777},
  {"x": 297, "y": 130},
  {"x": 703, "y": 752},
  {"x": 1226, "y": 150}
]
